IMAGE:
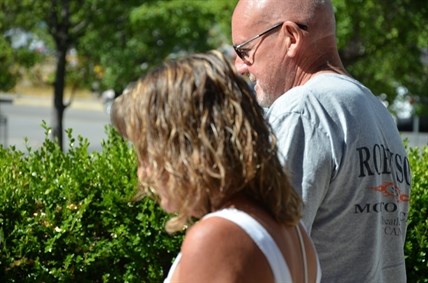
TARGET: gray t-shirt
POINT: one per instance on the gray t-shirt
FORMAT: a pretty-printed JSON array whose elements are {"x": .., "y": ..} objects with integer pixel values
[{"x": 346, "y": 158}]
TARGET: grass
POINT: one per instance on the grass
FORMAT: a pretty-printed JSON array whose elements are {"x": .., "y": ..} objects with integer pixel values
[
  {"x": 35, "y": 82},
  {"x": 28, "y": 89}
]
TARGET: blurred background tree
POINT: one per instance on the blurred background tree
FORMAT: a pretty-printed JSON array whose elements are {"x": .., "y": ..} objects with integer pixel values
[
  {"x": 128, "y": 41},
  {"x": 106, "y": 44},
  {"x": 102, "y": 45},
  {"x": 384, "y": 44}
]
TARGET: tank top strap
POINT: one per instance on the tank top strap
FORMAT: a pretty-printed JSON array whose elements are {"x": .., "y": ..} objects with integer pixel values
[{"x": 261, "y": 238}]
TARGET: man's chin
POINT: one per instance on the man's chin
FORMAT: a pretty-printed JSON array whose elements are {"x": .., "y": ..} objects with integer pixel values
[
  {"x": 257, "y": 88},
  {"x": 261, "y": 96},
  {"x": 262, "y": 101}
]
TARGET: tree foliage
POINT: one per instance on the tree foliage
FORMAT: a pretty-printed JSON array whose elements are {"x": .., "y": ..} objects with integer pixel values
[
  {"x": 13, "y": 58},
  {"x": 145, "y": 35},
  {"x": 382, "y": 43}
]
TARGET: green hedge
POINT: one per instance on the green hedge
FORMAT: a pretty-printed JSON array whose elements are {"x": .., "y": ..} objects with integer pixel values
[
  {"x": 67, "y": 217},
  {"x": 416, "y": 248}
]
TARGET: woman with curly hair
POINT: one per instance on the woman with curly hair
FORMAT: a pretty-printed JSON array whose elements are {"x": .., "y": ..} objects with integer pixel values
[{"x": 206, "y": 152}]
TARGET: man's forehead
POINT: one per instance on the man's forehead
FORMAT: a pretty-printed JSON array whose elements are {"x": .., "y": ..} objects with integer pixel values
[{"x": 250, "y": 13}]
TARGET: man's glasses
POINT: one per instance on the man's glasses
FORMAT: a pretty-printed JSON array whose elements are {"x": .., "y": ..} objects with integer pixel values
[{"x": 243, "y": 52}]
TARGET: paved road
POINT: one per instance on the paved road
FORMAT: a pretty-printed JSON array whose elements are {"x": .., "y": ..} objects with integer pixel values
[
  {"x": 25, "y": 115},
  {"x": 86, "y": 117}
]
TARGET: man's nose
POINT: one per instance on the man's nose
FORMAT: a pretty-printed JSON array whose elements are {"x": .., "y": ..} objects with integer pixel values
[{"x": 240, "y": 66}]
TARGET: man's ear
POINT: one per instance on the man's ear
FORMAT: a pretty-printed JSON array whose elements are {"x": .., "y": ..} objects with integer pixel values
[{"x": 294, "y": 38}]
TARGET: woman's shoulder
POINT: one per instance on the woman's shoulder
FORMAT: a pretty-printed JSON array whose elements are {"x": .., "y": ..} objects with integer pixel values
[
  {"x": 216, "y": 234},
  {"x": 220, "y": 250}
]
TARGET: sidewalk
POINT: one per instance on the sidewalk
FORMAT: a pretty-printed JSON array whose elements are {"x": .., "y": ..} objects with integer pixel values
[{"x": 415, "y": 139}]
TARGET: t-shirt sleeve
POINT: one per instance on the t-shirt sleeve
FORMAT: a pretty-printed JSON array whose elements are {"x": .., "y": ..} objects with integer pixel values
[{"x": 305, "y": 151}]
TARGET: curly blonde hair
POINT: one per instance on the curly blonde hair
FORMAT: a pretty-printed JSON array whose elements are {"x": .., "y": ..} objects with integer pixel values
[{"x": 196, "y": 121}]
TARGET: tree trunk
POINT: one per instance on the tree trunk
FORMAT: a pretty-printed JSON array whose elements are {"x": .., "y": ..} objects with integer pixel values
[
  {"x": 59, "y": 22},
  {"x": 59, "y": 107}
]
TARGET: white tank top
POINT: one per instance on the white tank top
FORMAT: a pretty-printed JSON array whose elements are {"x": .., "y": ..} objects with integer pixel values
[{"x": 261, "y": 238}]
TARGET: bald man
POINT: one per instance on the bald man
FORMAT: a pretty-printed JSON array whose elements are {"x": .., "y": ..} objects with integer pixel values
[{"x": 339, "y": 144}]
